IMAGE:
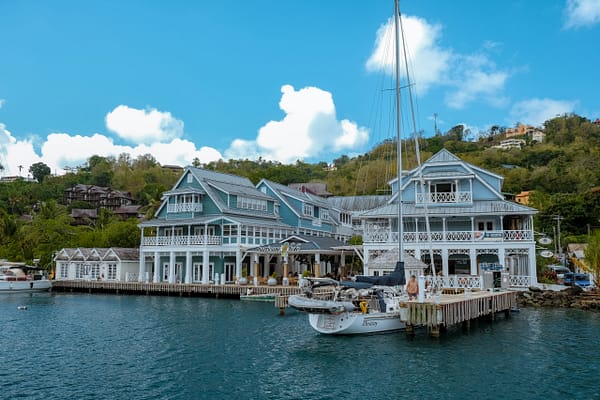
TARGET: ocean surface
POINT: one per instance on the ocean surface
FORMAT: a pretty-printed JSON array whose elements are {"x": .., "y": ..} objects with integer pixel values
[{"x": 77, "y": 346}]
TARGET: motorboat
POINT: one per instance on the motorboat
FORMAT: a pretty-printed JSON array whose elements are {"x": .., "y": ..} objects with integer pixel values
[
  {"x": 263, "y": 297},
  {"x": 16, "y": 277}
]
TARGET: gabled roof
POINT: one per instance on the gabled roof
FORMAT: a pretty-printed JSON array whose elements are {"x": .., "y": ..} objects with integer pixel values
[
  {"x": 357, "y": 203},
  {"x": 212, "y": 183},
  {"x": 444, "y": 157},
  {"x": 285, "y": 193},
  {"x": 98, "y": 254}
]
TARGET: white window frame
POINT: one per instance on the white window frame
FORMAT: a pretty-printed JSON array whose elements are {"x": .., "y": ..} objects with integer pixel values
[{"x": 308, "y": 209}]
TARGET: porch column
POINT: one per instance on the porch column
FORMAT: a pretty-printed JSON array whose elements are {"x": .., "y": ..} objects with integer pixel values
[
  {"x": 205, "y": 265},
  {"x": 445, "y": 261},
  {"x": 366, "y": 262},
  {"x": 530, "y": 263},
  {"x": 502, "y": 259},
  {"x": 444, "y": 228},
  {"x": 142, "y": 267},
  {"x": 172, "y": 267},
  {"x": 188, "y": 267},
  {"x": 285, "y": 267},
  {"x": 156, "y": 277},
  {"x": 256, "y": 269},
  {"x": 317, "y": 266},
  {"x": 473, "y": 258},
  {"x": 238, "y": 263}
]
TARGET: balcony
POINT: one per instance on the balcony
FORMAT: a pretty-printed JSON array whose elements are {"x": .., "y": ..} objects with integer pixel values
[
  {"x": 445, "y": 198},
  {"x": 184, "y": 240},
  {"x": 184, "y": 207},
  {"x": 388, "y": 236}
]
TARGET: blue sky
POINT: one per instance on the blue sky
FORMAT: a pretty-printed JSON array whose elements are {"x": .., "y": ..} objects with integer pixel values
[{"x": 283, "y": 80}]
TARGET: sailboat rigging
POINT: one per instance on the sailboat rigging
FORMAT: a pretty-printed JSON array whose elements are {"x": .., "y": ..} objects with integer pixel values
[{"x": 371, "y": 304}]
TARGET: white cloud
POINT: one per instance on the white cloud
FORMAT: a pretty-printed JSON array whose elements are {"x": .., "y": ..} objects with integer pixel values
[
  {"x": 143, "y": 126},
  {"x": 428, "y": 61},
  {"x": 15, "y": 153},
  {"x": 2, "y": 101},
  {"x": 581, "y": 13},
  {"x": 477, "y": 79},
  {"x": 309, "y": 128},
  {"x": 537, "y": 111},
  {"x": 467, "y": 77}
]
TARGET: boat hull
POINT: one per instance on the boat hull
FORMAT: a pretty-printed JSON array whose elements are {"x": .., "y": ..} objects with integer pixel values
[
  {"x": 25, "y": 286},
  {"x": 354, "y": 323},
  {"x": 268, "y": 298}
]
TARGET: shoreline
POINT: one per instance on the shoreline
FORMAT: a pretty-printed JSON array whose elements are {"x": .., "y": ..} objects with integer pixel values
[{"x": 571, "y": 297}]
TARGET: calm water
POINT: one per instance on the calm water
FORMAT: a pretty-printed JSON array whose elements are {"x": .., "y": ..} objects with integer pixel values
[{"x": 126, "y": 347}]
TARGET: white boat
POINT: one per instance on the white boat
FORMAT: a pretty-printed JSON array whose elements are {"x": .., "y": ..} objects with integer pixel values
[
  {"x": 264, "y": 297},
  {"x": 18, "y": 278},
  {"x": 350, "y": 307}
]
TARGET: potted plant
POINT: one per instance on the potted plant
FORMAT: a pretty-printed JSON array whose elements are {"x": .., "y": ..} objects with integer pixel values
[{"x": 273, "y": 279}]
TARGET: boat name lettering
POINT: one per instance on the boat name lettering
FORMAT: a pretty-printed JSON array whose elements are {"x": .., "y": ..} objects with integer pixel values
[{"x": 369, "y": 323}]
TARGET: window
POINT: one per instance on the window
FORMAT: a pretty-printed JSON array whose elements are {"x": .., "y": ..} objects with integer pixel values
[
  {"x": 252, "y": 204},
  {"x": 64, "y": 271},
  {"x": 324, "y": 214},
  {"x": 78, "y": 271},
  {"x": 443, "y": 188},
  {"x": 94, "y": 271},
  {"x": 485, "y": 226},
  {"x": 190, "y": 178},
  {"x": 308, "y": 209},
  {"x": 111, "y": 271}
]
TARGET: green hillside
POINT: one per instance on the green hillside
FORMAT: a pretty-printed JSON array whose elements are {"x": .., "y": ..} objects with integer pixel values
[{"x": 562, "y": 171}]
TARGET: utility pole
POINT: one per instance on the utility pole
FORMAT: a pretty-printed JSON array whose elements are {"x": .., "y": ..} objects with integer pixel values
[{"x": 558, "y": 218}]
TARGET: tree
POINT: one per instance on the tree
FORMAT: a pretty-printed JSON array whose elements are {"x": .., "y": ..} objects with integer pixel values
[
  {"x": 592, "y": 256},
  {"x": 39, "y": 171}
]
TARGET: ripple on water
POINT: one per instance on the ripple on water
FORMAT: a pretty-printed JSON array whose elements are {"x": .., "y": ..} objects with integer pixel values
[{"x": 128, "y": 347}]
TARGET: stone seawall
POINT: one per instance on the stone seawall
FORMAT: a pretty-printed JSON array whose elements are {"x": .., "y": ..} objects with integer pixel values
[{"x": 573, "y": 297}]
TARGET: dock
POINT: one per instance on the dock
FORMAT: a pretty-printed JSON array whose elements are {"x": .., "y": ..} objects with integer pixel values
[
  {"x": 170, "y": 289},
  {"x": 450, "y": 308}
]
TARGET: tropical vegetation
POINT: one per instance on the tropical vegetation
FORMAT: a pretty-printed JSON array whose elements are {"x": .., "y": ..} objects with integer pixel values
[{"x": 562, "y": 172}]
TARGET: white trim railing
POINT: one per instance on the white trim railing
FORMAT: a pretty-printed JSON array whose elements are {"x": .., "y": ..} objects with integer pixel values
[
  {"x": 387, "y": 236},
  {"x": 184, "y": 207},
  {"x": 444, "y": 198},
  {"x": 184, "y": 240},
  {"x": 473, "y": 281}
]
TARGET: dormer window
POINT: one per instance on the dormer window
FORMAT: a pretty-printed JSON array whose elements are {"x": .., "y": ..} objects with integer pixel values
[
  {"x": 308, "y": 210},
  {"x": 324, "y": 214},
  {"x": 252, "y": 204}
]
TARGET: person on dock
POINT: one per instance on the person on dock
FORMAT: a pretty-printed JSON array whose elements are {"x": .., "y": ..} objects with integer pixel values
[{"x": 412, "y": 288}]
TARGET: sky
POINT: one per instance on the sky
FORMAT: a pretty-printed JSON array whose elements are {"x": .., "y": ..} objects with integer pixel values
[{"x": 278, "y": 79}]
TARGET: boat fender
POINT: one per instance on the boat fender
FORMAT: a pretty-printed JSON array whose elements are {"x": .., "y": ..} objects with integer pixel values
[{"x": 364, "y": 307}]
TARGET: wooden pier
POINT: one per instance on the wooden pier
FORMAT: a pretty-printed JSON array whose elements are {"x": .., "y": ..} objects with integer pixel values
[
  {"x": 453, "y": 309},
  {"x": 170, "y": 289}
]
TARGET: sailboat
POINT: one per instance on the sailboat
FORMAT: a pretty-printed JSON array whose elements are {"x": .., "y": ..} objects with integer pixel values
[{"x": 370, "y": 304}]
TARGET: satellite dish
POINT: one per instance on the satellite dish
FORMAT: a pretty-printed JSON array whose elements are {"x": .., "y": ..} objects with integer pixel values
[
  {"x": 546, "y": 253},
  {"x": 545, "y": 240}
]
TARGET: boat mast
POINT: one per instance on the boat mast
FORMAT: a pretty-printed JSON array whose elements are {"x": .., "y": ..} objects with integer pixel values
[{"x": 398, "y": 135}]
